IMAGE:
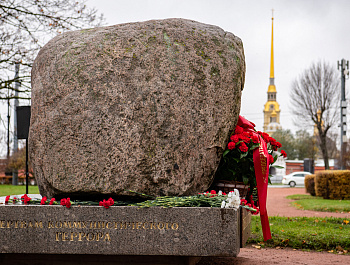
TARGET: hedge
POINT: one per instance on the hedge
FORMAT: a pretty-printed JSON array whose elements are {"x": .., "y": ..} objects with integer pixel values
[
  {"x": 310, "y": 184},
  {"x": 333, "y": 184}
]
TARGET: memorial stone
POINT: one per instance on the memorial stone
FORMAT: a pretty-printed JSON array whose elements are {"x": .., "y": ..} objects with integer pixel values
[{"x": 145, "y": 106}]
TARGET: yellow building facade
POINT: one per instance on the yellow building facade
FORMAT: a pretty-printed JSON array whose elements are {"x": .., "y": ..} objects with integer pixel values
[{"x": 271, "y": 107}]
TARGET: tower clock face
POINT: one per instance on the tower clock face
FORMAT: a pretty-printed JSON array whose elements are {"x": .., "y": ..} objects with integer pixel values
[{"x": 272, "y": 107}]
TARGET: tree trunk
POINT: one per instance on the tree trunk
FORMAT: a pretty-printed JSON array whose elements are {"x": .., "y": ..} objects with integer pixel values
[{"x": 323, "y": 145}]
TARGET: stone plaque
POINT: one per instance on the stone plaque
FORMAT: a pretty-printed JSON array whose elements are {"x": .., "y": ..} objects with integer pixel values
[{"x": 119, "y": 230}]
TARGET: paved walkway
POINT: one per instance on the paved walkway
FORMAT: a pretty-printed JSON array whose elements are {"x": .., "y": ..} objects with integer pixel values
[{"x": 279, "y": 205}]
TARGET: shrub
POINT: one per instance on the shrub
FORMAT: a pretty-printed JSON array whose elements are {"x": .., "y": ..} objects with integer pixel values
[
  {"x": 310, "y": 184},
  {"x": 333, "y": 185},
  {"x": 321, "y": 184}
]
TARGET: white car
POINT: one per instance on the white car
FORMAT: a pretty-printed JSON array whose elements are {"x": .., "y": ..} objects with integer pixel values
[{"x": 295, "y": 178}]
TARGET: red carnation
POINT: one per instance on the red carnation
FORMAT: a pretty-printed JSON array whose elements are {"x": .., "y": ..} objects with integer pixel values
[
  {"x": 271, "y": 159},
  {"x": 43, "y": 200},
  {"x": 257, "y": 210},
  {"x": 106, "y": 204},
  {"x": 243, "y": 147},
  {"x": 238, "y": 130},
  {"x": 247, "y": 134},
  {"x": 234, "y": 138},
  {"x": 212, "y": 192},
  {"x": 265, "y": 136},
  {"x": 52, "y": 201},
  {"x": 63, "y": 202},
  {"x": 243, "y": 201},
  {"x": 231, "y": 145},
  {"x": 255, "y": 139},
  {"x": 283, "y": 153},
  {"x": 68, "y": 203},
  {"x": 246, "y": 139},
  {"x": 111, "y": 201},
  {"x": 272, "y": 141},
  {"x": 7, "y": 199},
  {"x": 278, "y": 144},
  {"x": 25, "y": 199}
]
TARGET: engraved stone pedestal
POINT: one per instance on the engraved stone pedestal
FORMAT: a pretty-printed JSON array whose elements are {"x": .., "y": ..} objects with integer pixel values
[{"x": 118, "y": 235}]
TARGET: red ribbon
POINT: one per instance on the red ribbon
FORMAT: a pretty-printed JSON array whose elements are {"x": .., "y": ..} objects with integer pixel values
[{"x": 261, "y": 167}]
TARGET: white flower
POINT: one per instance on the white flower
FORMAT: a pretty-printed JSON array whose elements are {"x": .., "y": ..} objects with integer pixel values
[
  {"x": 236, "y": 192},
  {"x": 229, "y": 203},
  {"x": 223, "y": 204},
  {"x": 236, "y": 202},
  {"x": 220, "y": 193},
  {"x": 233, "y": 200}
]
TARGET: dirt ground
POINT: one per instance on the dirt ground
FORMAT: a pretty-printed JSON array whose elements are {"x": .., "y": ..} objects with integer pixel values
[{"x": 278, "y": 205}]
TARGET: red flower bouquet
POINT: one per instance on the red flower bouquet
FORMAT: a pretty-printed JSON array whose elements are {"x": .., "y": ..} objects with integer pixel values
[{"x": 237, "y": 163}]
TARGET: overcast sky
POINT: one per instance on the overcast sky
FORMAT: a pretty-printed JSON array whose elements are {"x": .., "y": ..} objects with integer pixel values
[{"x": 305, "y": 31}]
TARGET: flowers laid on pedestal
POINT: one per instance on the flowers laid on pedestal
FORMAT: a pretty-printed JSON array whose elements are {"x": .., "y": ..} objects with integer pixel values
[
  {"x": 106, "y": 203},
  {"x": 246, "y": 161},
  {"x": 237, "y": 165}
]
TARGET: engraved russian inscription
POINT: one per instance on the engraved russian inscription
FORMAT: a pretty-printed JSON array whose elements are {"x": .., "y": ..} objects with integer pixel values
[{"x": 85, "y": 230}]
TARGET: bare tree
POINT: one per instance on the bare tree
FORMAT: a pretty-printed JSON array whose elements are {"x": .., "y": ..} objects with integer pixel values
[
  {"x": 305, "y": 145},
  {"x": 315, "y": 97},
  {"x": 25, "y": 25}
]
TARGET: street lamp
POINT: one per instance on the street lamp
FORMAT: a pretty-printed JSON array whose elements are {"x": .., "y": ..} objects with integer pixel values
[{"x": 343, "y": 66}]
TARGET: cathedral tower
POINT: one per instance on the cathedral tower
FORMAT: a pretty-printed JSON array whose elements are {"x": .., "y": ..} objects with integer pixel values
[{"x": 271, "y": 108}]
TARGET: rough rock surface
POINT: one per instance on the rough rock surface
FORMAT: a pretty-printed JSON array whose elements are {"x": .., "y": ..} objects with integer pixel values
[{"x": 146, "y": 107}]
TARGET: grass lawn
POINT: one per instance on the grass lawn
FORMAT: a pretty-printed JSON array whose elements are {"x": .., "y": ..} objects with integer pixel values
[
  {"x": 14, "y": 190},
  {"x": 330, "y": 234},
  {"x": 308, "y": 202}
]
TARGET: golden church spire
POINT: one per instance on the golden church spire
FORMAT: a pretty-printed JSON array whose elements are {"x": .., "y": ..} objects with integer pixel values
[
  {"x": 272, "y": 74},
  {"x": 271, "y": 108},
  {"x": 272, "y": 87}
]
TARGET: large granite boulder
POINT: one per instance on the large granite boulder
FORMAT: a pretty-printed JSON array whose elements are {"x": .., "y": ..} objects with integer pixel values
[{"x": 146, "y": 107}]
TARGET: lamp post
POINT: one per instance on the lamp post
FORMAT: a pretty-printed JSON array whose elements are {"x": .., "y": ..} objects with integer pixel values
[
  {"x": 343, "y": 66},
  {"x": 15, "y": 140}
]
